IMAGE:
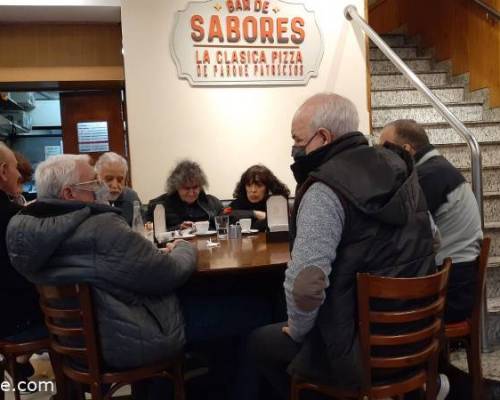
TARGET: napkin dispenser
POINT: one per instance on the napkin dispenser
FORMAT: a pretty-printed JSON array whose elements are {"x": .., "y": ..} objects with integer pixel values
[{"x": 277, "y": 219}]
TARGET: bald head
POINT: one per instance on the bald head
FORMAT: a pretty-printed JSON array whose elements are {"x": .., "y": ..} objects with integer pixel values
[
  {"x": 9, "y": 175},
  {"x": 406, "y": 133},
  {"x": 322, "y": 118}
]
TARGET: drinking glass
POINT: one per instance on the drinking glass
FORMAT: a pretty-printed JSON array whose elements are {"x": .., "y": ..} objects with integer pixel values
[{"x": 221, "y": 224}]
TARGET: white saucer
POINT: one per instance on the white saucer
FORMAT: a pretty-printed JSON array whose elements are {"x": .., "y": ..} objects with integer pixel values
[
  {"x": 250, "y": 231},
  {"x": 207, "y": 233},
  {"x": 185, "y": 237}
]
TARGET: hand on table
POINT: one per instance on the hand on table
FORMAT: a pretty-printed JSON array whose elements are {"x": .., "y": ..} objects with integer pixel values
[
  {"x": 260, "y": 215},
  {"x": 170, "y": 246},
  {"x": 187, "y": 224}
]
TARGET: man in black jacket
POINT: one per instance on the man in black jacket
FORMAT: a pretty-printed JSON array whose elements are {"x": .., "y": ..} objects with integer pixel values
[
  {"x": 21, "y": 316},
  {"x": 357, "y": 209},
  {"x": 454, "y": 209}
]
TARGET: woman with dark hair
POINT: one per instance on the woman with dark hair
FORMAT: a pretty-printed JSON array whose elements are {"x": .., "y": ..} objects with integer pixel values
[
  {"x": 185, "y": 200},
  {"x": 256, "y": 184}
]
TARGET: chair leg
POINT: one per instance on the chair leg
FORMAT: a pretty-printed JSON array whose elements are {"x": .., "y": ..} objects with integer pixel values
[
  {"x": 474, "y": 364},
  {"x": 11, "y": 362},
  {"x": 62, "y": 384},
  {"x": 294, "y": 389},
  {"x": 179, "y": 389},
  {"x": 96, "y": 391}
]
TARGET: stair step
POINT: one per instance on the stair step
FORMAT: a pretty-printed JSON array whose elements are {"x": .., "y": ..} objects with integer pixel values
[
  {"x": 425, "y": 113},
  {"x": 459, "y": 154},
  {"x": 493, "y": 277},
  {"x": 403, "y": 51},
  {"x": 394, "y": 39},
  {"x": 391, "y": 97},
  {"x": 398, "y": 80},
  {"x": 491, "y": 178},
  {"x": 423, "y": 64},
  {"x": 491, "y": 206},
  {"x": 492, "y": 229}
]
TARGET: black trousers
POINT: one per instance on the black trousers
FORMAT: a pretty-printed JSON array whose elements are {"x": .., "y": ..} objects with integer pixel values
[{"x": 460, "y": 294}]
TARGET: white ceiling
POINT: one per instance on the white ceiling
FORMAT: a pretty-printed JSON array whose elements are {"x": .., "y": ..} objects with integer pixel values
[{"x": 56, "y": 13}]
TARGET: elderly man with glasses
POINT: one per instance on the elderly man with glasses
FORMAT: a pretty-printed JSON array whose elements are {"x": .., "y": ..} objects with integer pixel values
[{"x": 68, "y": 237}]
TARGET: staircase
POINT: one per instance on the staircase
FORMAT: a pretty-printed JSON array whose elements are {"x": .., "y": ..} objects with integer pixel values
[{"x": 394, "y": 98}]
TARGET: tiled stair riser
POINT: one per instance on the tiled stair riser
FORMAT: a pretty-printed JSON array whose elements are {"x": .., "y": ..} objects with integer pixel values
[
  {"x": 426, "y": 115},
  {"x": 388, "y": 81},
  {"x": 494, "y": 233},
  {"x": 491, "y": 178},
  {"x": 410, "y": 96},
  {"x": 394, "y": 40},
  {"x": 460, "y": 156},
  {"x": 402, "y": 52},
  {"x": 416, "y": 65}
]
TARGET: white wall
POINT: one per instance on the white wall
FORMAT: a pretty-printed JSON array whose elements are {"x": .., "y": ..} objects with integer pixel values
[{"x": 225, "y": 129}]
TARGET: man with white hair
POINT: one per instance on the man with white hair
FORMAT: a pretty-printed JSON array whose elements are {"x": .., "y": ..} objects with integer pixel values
[
  {"x": 66, "y": 237},
  {"x": 357, "y": 209},
  {"x": 112, "y": 169},
  {"x": 21, "y": 317}
]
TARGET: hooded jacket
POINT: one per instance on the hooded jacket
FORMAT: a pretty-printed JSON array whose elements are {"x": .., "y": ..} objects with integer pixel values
[
  {"x": 387, "y": 233},
  {"x": 139, "y": 321}
]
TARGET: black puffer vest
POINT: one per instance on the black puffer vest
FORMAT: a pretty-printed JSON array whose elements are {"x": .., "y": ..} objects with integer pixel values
[{"x": 387, "y": 232}]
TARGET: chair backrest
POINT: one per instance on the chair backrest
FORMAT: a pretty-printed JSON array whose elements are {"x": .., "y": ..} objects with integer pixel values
[
  {"x": 404, "y": 333},
  {"x": 69, "y": 318},
  {"x": 482, "y": 264}
]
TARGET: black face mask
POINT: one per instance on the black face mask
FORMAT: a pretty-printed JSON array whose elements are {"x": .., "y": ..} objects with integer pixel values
[
  {"x": 309, "y": 162},
  {"x": 300, "y": 151}
]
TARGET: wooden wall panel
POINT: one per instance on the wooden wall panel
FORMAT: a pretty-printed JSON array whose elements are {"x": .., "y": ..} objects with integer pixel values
[
  {"x": 457, "y": 30},
  {"x": 60, "y": 52},
  {"x": 58, "y": 45}
]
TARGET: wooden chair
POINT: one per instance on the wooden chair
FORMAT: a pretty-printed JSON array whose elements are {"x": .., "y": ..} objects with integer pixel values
[
  {"x": 70, "y": 319},
  {"x": 429, "y": 292},
  {"x": 10, "y": 351},
  {"x": 469, "y": 331}
]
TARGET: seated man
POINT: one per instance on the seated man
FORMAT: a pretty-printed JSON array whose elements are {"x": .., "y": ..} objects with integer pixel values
[
  {"x": 357, "y": 210},
  {"x": 64, "y": 237},
  {"x": 454, "y": 209},
  {"x": 22, "y": 320},
  {"x": 112, "y": 169}
]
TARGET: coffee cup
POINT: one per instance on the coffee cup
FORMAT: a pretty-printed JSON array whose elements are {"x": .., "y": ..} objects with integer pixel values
[
  {"x": 202, "y": 226},
  {"x": 246, "y": 224}
]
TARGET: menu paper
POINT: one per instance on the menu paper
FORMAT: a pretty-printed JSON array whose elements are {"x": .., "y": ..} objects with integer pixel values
[{"x": 277, "y": 214}]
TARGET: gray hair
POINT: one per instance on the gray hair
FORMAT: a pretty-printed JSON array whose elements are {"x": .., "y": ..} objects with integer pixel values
[
  {"x": 184, "y": 172},
  {"x": 57, "y": 172},
  {"x": 333, "y": 112},
  {"x": 111, "y": 158}
]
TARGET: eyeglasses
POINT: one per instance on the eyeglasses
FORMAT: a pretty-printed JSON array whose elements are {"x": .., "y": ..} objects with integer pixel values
[{"x": 91, "y": 186}]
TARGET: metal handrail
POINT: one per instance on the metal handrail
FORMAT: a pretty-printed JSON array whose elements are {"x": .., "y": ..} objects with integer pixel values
[
  {"x": 351, "y": 13},
  {"x": 488, "y": 8}
]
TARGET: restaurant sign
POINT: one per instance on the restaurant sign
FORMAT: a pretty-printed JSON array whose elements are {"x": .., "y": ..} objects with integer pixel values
[{"x": 246, "y": 42}]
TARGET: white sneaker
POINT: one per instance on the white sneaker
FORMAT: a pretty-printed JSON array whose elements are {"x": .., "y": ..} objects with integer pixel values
[{"x": 444, "y": 387}]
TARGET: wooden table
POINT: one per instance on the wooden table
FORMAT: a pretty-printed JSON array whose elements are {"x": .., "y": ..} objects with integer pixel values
[{"x": 251, "y": 253}]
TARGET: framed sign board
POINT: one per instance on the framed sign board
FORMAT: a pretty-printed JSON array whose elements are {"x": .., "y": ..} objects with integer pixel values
[{"x": 246, "y": 42}]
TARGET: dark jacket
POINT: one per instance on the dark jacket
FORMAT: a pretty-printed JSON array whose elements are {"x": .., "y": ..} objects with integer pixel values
[
  {"x": 18, "y": 297},
  {"x": 177, "y": 211},
  {"x": 125, "y": 202},
  {"x": 242, "y": 208},
  {"x": 387, "y": 232},
  {"x": 139, "y": 319}
]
